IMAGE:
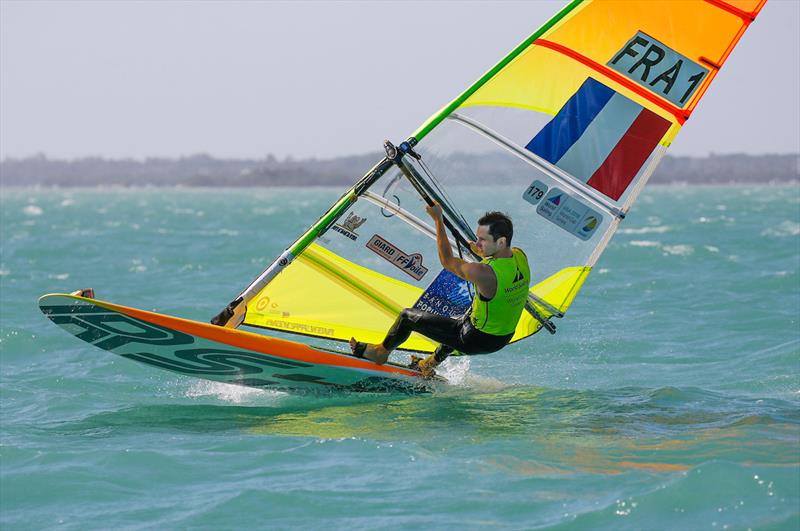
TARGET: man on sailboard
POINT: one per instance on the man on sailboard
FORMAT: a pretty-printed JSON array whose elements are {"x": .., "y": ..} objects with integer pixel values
[{"x": 501, "y": 281}]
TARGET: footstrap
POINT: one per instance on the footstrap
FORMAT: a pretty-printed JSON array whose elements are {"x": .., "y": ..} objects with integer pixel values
[{"x": 359, "y": 349}]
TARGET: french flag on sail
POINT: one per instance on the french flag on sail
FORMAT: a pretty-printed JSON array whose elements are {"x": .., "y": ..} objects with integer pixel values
[{"x": 600, "y": 137}]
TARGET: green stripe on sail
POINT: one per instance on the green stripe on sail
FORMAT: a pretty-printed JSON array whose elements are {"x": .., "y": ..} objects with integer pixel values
[
  {"x": 372, "y": 296},
  {"x": 436, "y": 119}
]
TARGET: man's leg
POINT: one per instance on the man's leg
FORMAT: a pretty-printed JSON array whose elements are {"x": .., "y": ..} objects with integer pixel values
[
  {"x": 469, "y": 341},
  {"x": 427, "y": 365},
  {"x": 442, "y": 352},
  {"x": 436, "y": 327}
]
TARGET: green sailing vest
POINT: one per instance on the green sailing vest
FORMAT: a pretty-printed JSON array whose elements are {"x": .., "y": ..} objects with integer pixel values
[{"x": 499, "y": 316}]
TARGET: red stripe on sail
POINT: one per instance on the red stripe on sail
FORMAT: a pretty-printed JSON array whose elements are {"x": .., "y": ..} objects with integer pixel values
[
  {"x": 626, "y": 159},
  {"x": 680, "y": 115}
]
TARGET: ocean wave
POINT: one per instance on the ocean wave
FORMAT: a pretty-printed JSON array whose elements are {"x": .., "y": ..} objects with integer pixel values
[
  {"x": 678, "y": 250},
  {"x": 647, "y": 230},
  {"x": 785, "y": 228},
  {"x": 235, "y": 394}
]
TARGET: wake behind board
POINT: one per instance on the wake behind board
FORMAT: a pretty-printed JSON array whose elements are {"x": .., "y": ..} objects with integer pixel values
[{"x": 221, "y": 354}]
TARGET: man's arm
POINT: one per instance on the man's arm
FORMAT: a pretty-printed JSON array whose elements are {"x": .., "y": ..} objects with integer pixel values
[{"x": 479, "y": 274}]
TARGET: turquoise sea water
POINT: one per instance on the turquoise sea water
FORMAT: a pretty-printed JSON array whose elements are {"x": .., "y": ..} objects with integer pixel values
[{"x": 669, "y": 399}]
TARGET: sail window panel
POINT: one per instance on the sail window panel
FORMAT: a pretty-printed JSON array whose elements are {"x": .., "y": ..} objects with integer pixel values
[
  {"x": 598, "y": 137},
  {"x": 375, "y": 238},
  {"x": 556, "y": 227}
]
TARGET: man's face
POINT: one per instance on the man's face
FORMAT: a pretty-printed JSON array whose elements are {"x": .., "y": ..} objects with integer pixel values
[{"x": 487, "y": 246}]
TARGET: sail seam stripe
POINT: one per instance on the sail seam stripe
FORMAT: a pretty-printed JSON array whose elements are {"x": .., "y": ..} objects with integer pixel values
[
  {"x": 744, "y": 15},
  {"x": 680, "y": 115},
  {"x": 358, "y": 287},
  {"x": 554, "y": 172}
]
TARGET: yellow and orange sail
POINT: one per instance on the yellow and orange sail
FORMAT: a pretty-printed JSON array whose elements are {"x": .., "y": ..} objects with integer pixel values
[{"x": 562, "y": 134}]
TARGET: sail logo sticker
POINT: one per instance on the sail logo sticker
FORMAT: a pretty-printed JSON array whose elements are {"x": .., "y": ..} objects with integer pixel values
[
  {"x": 411, "y": 264},
  {"x": 569, "y": 214},
  {"x": 658, "y": 68},
  {"x": 535, "y": 192},
  {"x": 349, "y": 226}
]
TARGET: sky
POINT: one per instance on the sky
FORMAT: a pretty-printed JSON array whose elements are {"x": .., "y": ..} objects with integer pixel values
[{"x": 315, "y": 79}]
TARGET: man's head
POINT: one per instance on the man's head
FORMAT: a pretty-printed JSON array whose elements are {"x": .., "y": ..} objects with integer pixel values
[{"x": 494, "y": 233}]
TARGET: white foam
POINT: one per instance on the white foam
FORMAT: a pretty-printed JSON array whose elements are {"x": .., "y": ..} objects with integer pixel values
[
  {"x": 59, "y": 276},
  {"x": 236, "y": 394},
  {"x": 678, "y": 250},
  {"x": 644, "y": 243},
  {"x": 786, "y": 228},
  {"x": 484, "y": 384},
  {"x": 647, "y": 230},
  {"x": 32, "y": 210},
  {"x": 454, "y": 369}
]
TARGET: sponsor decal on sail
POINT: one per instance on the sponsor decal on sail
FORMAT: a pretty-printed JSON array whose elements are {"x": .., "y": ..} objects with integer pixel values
[
  {"x": 349, "y": 225},
  {"x": 411, "y": 264}
]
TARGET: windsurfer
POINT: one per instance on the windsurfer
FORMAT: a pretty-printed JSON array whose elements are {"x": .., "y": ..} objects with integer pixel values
[{"x": 501, "y": 281}]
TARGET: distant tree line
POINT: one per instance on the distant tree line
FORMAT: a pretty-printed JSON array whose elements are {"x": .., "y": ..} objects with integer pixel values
[{"x": 204, "y": 170}]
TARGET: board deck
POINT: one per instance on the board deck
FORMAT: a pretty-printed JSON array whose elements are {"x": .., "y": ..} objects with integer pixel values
[{"x": 227, "y": 355}]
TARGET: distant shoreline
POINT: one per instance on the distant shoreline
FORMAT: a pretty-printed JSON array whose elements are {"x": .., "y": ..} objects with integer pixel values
[{"x": 203, "y": 171}]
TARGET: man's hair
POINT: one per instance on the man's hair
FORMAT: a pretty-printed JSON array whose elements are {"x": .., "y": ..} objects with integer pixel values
[{"x": 499, "y": 225}]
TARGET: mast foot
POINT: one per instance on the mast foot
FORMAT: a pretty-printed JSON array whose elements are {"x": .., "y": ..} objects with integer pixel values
[{"x": 232, "y": 315}]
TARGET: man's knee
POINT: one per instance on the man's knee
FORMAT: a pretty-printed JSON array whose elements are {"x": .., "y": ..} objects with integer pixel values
[{"x": 411, "y": 314}]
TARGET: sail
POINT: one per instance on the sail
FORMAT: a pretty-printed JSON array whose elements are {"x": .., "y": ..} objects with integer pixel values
[{"x": 562, "y": 134}]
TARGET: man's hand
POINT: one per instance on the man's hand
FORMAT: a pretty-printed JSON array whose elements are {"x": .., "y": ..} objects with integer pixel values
[
  {"x": 474, "y": 248},
  {"x": 434, "y": 211}
]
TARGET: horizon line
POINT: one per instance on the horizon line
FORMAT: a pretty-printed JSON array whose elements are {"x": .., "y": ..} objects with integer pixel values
[{"x": 291, "y": 158}]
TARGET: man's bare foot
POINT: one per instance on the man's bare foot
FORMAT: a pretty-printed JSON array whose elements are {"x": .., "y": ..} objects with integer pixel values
[
  {"x": 372, "y": 352},
  {"x": 426, "y": 366}
]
